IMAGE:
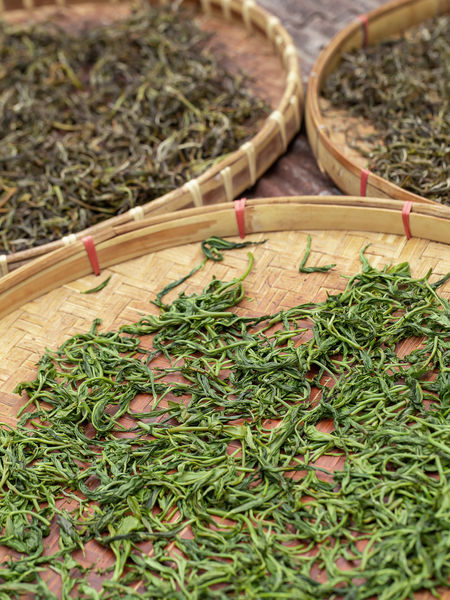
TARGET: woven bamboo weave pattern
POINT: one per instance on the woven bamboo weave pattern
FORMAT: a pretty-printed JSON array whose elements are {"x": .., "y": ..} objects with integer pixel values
[{"x": 274, "y": 284}]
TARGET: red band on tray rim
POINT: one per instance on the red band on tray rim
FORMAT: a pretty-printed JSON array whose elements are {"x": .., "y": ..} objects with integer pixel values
[
  {"x": 92, "y": 253},
  {"x": 363, "y": 182},
  {"x": 406, "y": 210},
  {"x": 365, "y": 29},
  {"x": 239, "y": 208}
]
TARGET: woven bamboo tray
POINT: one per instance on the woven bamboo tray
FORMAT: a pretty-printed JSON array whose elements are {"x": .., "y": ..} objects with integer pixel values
[
  {"x": 253, "y": 41},
  {"x": 167, "y": 249},
  {"x": 345, "y": 166}
]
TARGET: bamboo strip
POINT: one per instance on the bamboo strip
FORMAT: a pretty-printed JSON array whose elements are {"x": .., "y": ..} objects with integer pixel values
[
  {"x": 392, "y": 18},
  {"x": 242, "y": 167},
  {"x": 246, "y": 13},
  {"x": 148, "y": 235}
]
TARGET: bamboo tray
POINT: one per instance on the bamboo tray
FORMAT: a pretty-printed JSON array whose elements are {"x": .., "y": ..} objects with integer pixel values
[
  {"x": 145, "y": 256},
  {"x": 345, "y": 166},
  {"x": 253, "y": 41}
]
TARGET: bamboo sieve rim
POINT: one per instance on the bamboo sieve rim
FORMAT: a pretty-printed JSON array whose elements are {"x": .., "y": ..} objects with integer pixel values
[{"x": 134, "y": 239}]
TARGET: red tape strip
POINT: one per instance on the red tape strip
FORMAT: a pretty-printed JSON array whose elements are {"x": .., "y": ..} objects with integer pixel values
[
  {"x": 239, "y": 208},
  {"x": 365, "y": 28},
  {"x": 92, "y": 253},
  {"x": 363, "y": 182},
  {"x": 407, "y": 207}
]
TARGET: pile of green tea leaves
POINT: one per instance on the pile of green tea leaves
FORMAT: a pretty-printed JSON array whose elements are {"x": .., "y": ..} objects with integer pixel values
[
  {"x": 191, "y": 449},
  {"x": 98, "y": 120},
  {"x": 401, "y": 87}
]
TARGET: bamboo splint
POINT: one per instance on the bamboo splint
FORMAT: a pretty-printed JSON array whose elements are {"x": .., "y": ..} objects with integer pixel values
[
  {"x": 130, "y": 240},
  {"x": 239, "y": 170},
  {"x": 346, "y": 167}
]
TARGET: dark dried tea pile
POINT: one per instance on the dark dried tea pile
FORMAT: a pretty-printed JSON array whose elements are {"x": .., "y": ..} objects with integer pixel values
[
  {"x": 187, "y": 456},
  {"x": 402, "y": 88},
  {"x": 97, "y": 121}
]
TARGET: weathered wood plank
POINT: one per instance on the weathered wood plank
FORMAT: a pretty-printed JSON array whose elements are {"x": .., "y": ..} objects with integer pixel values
[{"x": 312, "y": 24}]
